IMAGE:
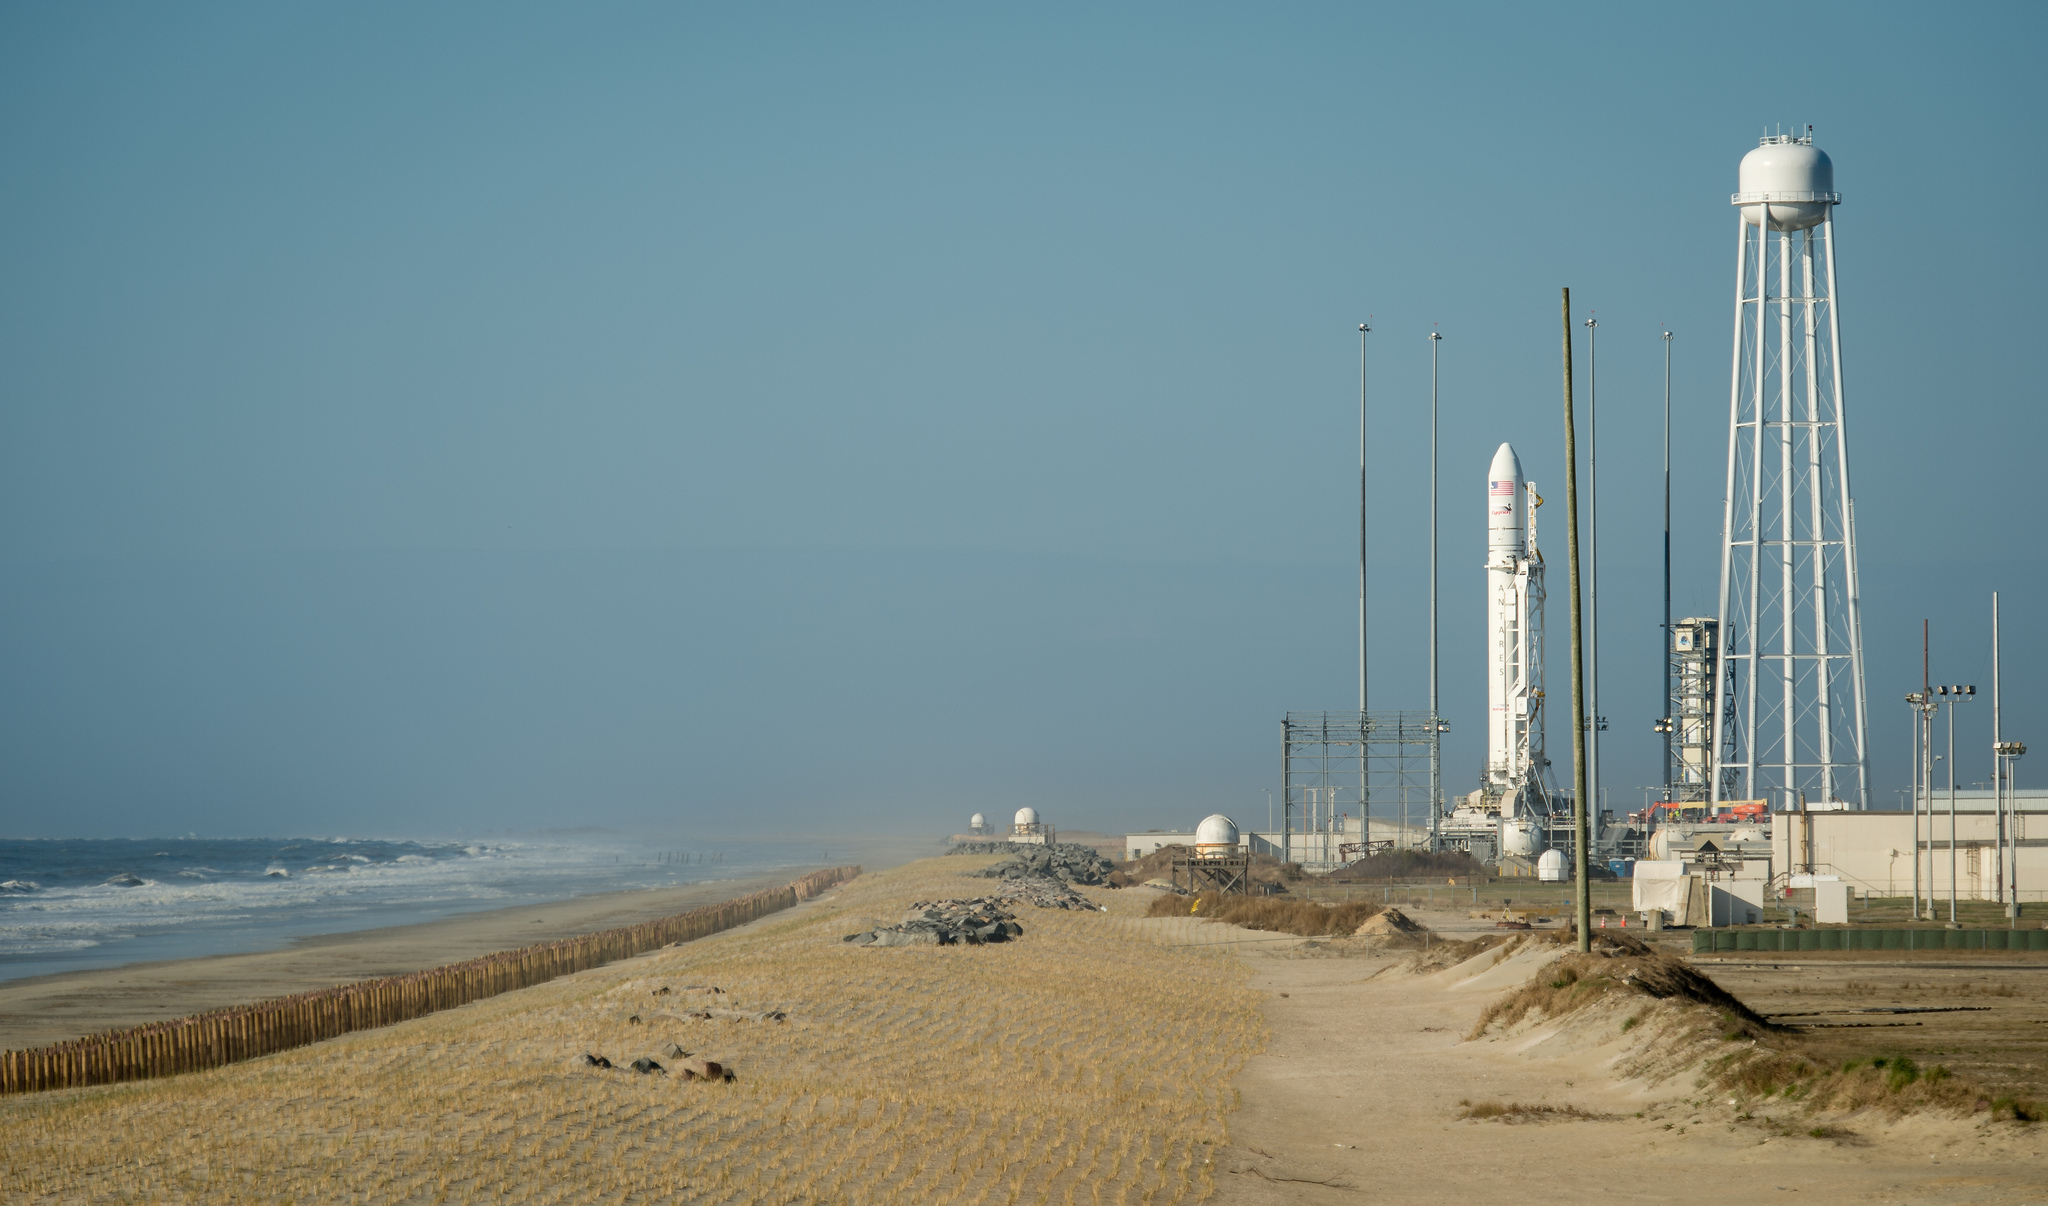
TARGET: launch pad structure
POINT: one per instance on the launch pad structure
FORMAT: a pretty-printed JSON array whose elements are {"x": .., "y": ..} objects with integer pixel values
[{"x": 1372, "y": 765}]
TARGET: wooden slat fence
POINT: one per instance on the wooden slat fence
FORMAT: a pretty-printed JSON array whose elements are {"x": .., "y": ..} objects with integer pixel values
[{"x": 225, "y": 1036}]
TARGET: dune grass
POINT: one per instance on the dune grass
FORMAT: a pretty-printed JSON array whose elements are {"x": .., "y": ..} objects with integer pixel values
[
  {"x": 1702, "y": 1028},
  {"x": 1072, "y": 1066},
  {"x": 1270, "y": 913}
]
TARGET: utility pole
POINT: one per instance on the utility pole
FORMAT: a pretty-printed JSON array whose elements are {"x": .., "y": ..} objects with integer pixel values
[{"x": 1584, "y": 911}]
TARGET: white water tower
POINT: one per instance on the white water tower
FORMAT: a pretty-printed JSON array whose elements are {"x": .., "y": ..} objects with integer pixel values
[{"x": 1789, "y": 704}]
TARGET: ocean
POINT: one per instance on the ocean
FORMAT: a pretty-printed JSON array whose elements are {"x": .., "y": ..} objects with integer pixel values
[{"x": 71, "y": 904}]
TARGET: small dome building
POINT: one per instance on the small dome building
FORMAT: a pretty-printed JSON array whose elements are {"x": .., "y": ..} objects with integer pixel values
[
  {"x": 1028, "y": 828},
  {"x": 1216, "y": 836}
]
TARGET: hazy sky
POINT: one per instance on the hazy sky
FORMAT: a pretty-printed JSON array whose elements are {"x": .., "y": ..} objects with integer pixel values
[{"x": 418, "y": 419}]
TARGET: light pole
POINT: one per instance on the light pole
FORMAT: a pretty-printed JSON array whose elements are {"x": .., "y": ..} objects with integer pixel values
[
  {"x": 1363, "y": 331},
  {"x": 1364, "y": 761},
  {"x": 1436, "y": 741},
  {"x": 1599, "y": 722},
  {"x": 1997, "y": 761},
  {"x": 1955, "y": 695},
  {"x": 1917, "y": 701},
  {"x": 1664, "y": 655},
  {"x": 2009, "y": 764}
]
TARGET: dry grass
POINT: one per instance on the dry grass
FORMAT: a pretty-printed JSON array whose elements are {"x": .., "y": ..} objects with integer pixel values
[
  {"x": 1514, "y": 1111},
  {"x": 1699, "y": 1027},
  {"x": 1306, "y": 918},
  {"x": 1620, "y": 964},
  {"x": 1072, "y": 1066}
]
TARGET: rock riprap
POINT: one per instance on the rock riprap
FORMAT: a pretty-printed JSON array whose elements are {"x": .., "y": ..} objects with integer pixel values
[
  {"x": 1044, "y": 892},
  {"x": 1074, "y": 863},
  {"x": 945, "y": 923}
]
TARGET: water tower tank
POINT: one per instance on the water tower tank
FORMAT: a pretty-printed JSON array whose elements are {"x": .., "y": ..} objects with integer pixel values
[
  {"x": 1027, "y": 816},
  {"x": 1787, "y": 183},
  {"x": 1518, "y": 837},
  {"x": 1550, "y": 867},
  {"x": 1215, "y": 836}
]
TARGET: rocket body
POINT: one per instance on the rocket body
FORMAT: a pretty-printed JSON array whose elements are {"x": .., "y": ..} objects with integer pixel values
[{"x": 1514, "y": 637}]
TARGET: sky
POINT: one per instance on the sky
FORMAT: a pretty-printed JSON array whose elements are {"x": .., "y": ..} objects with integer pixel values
[{"x": 735, "y": 419}]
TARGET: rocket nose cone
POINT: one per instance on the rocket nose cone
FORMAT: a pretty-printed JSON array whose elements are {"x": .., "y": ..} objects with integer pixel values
[{"x": 1506, "y": 465}]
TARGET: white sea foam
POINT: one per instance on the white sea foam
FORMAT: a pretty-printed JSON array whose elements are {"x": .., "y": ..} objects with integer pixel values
[{"x": 199, "y": 908}]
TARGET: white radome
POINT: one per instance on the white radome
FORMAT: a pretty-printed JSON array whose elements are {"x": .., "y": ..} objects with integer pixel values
[
  {"x": 1786, "y": 182},
  {"x": 1550, "y": 867},
  {"x": 1217, "y": 834},
  {"x": 1027, "y": 816},
  {"x": 976, "y": 822}
]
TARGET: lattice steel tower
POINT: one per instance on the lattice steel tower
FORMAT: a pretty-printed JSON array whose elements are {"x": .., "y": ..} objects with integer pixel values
[{"x": 1790, "y": 707}]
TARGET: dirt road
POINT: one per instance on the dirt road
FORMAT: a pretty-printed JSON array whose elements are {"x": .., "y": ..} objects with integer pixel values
[{"x": 1358, "y": 1095}]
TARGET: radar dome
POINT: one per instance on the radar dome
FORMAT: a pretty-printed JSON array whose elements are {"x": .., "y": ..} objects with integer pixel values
[
  {"x": 1217, "y": 834},
  {"x": 1027, "y": 816},
  {"x": 1786, "y": 183},
  {"x": 976, "y": 823},
  {"x": 1550, "y": 867}
]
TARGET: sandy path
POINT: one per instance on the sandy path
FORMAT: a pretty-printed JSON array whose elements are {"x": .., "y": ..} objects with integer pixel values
[
  {"x": 47, "y": 1009},
  {"x": 1355, "y": 1098}
]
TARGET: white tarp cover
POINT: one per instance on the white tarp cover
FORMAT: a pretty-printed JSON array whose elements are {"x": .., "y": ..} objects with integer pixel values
[{"x": 1662, "y": 884}]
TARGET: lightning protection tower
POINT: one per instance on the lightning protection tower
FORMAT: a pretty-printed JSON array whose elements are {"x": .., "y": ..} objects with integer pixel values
[{"x": 1790, "y": 703}]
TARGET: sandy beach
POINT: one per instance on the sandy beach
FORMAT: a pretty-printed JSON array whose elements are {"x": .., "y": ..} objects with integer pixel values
[
  {"x": 1104, "y": 1055},
  {"x": 38, "y": 1010},
  {"x": 41, "y": 1010}
]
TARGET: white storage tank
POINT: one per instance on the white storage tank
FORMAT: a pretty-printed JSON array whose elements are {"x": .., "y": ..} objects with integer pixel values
[
  {"x": 1785, "y": 184},
  {"x": 1550, "y": 867},
  {"x": 1518, "y": 837},
  {"x": 1215, "y": 836}
]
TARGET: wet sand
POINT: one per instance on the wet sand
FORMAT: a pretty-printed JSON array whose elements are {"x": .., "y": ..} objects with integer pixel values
[{"x": 40, "y": 1010}]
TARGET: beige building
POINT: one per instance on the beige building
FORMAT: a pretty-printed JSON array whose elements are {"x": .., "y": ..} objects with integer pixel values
[{"x": 1873, "y": 852}]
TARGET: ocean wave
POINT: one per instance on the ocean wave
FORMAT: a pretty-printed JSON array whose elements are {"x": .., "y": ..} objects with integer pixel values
[{"x": 224, "y": 899}]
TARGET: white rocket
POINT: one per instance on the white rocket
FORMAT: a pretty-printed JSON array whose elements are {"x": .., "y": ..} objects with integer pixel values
[{"x": 1514, "y": 635}]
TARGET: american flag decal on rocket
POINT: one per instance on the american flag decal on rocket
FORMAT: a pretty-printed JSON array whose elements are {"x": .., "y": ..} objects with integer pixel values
[{"x": 1506, "y": 488}]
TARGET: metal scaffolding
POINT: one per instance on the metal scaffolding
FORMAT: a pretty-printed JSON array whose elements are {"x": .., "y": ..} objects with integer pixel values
[{"x": 1379, "y": 767}]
